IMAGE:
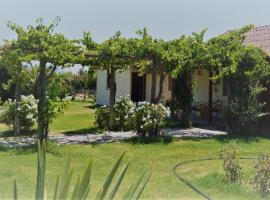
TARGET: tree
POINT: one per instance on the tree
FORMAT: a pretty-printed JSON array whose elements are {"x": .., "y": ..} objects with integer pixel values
[
  {"x": 245, "y": 68},
  {"x": 4, "y": 78},
  {"x": 181, "y": 57},
  {"x": 12, "y": 58},
  {"x": 113, "y": 55},
  {"x": 51, "y": 50},
  {"x": 152, "y": 49}
]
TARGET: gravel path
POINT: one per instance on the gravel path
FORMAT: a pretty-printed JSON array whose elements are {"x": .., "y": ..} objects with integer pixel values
[{"x": 106, "y": 137}]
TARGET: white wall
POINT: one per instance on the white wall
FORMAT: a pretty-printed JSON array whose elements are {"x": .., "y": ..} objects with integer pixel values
[
  {"x": 201, "y": 84},
  {"x": 123, "y": 86}
]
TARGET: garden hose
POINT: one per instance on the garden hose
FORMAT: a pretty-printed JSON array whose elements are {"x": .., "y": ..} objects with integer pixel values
[{"x": 189, "y": 184}]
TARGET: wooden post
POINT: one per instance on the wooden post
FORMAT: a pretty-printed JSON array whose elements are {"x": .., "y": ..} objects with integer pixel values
[
  {"x": 112, "y": 96},
  {"x": 210, "y": 95}
]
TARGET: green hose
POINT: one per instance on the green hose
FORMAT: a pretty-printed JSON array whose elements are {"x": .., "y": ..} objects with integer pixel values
[{"x": 189, "y": 184}]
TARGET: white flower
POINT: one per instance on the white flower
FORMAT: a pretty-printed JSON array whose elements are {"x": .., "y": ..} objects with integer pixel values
[{"x": 29, "y": 116}]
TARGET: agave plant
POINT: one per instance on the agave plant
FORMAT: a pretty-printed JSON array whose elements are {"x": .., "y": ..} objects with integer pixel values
[{"x": 81, "y": 189}]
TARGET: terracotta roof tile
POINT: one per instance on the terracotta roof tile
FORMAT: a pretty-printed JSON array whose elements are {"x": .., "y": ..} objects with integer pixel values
[{"x": 259, "y": 37}]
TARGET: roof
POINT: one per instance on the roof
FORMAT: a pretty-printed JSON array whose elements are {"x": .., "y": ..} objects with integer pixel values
[{"x": 259, "y": 37}]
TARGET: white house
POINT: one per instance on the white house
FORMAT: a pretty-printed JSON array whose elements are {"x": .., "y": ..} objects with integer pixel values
[{"x": 139, "y": 87}]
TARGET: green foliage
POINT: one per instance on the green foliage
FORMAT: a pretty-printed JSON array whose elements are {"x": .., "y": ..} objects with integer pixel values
[
  {"x": 81, "y": 189},
  {"x": 244, "y": 88},
  {"x": 230, "y": 157},
  {"x": 26, "y": 111},
  {"x": 54, "y": 109},
  {"x": 59, "y": 86},
  {"x": 182, "y": 97},
  {"x": 262, "y": 174},
  {"x": 102, "y": 117}
]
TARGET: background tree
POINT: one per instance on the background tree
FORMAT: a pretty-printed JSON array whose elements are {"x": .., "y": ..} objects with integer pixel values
[
  {"x": 59, "y": 86},
  {"x": 12, "y": 58},
  {"x": 4, "y": 78}
]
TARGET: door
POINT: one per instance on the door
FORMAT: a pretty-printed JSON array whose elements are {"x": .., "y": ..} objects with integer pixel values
[{"x": 137, "y": 87}]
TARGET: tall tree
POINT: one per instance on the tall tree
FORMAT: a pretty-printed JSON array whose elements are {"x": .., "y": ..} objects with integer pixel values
[
  {"x": 51, "y": 50},
  {"x": 114, "y": 55}
]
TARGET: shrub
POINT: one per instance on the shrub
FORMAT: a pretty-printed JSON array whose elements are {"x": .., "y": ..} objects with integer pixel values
[
  {"x": 123, "y": 110},
  {"x": 26, "y": 110},
  {"x": 145, "y": 118},
  {"x": 148, "y": 118},
  {"x": 262, "y": 174},
  {"x": 231, "y": 166},
  {"x": 102, "y": 117}
]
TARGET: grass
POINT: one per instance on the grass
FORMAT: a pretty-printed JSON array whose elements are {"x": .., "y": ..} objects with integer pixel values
[
  {"x": 160, "y": 157},
  {"x": 77, "y": 119},
  {"x": 20, "y": 164}
]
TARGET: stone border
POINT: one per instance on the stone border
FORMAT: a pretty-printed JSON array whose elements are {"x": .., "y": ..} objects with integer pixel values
[{"x": 106, "y": 137}]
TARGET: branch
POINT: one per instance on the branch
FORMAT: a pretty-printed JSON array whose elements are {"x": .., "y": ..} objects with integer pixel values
[{"x": 52, "y": 71}]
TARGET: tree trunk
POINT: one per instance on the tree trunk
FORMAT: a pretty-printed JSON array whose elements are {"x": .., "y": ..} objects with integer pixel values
[
  {"x": 154, "y": 79},
  {"x": 210, "y": 95},
  {"x": 17, "y": 121},
  {"x": 161, "y": 81},
  {"x": 112, "y": 96},
  {"x": 41, "y": 134},
  {"x": 84, "y": 94}
]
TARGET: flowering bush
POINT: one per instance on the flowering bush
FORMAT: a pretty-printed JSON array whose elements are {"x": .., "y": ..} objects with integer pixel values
[
  {"x": 144, "y": 118},
  {"x": 262, "y": 174},
  {"x": 123, "y": 110},
  {"x": 26, "y": 110},
  {"x": 149, "y": 118},
  {"x": 102, "y": 117}
]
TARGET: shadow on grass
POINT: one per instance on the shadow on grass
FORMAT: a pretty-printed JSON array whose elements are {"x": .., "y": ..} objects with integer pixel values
[
  {"x": 145, "y": 140},
  {"x": 51, "y": 148},
  {"x": 226, "y": 138},
  {"x": 91, "y": 106},
  {"x": 91, "y": 130},
  {"x": 10, "y": 133},
  {"x": 170, "y": 139}
]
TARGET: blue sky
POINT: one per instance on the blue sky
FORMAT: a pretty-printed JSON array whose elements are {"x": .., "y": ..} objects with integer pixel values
[{"x": 164, "y": 19}]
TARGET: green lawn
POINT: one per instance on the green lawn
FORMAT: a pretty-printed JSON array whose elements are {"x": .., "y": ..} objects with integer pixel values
[
  {"x": 207, "y": 175},
  {"x": 78, "y": 118},
  {"x": 160, "y": 157}
]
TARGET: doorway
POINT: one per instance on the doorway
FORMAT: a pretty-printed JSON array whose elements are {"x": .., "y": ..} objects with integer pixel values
[{"x": 137, "y": 87}]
